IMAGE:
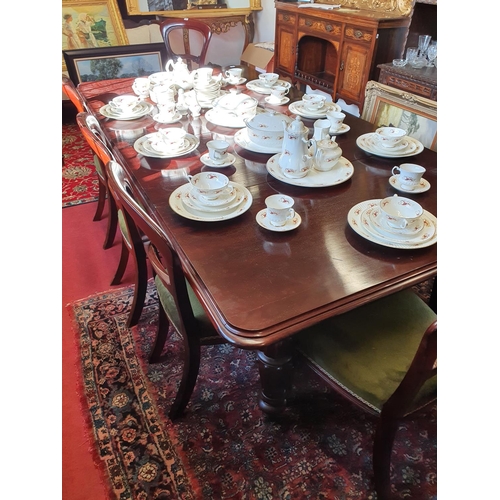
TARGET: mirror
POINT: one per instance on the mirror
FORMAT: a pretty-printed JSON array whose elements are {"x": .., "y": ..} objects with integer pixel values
[{"x": 197, "y": 8}]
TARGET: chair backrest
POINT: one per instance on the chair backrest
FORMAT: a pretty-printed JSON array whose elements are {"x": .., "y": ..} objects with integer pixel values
[
  {"x": 93, "y": 134},
  {"x": 190, "y": 40},
  {"x": 74, "y": 96},
  {"x": 163, "y": 258}
]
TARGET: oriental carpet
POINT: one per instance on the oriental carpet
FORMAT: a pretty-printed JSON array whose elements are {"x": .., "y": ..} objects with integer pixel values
[
  {"x": 80, "y": 183},
  {"x": 224, "y": 447}
]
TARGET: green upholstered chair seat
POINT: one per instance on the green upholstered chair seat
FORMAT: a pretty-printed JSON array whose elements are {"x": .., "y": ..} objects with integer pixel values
[
  {"x": 205, "y": 327},
  {"x": 98, "y": 166},
  {"x": 368, "y": 351}
]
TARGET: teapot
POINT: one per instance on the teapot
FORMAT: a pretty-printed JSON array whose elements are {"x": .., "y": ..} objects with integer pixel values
[
  {"x": 327, "y": 155},
  {"x": 181, "y": 73},
  {"x": 298, "y": 151}
]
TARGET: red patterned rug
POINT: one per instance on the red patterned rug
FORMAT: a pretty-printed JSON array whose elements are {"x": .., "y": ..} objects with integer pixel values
[
  {"x": 80, "y": 183},
  {"x": 224, "y": 447}
]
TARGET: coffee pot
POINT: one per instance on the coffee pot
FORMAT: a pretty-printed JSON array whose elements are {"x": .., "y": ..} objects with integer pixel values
[
  {"x": 181, "y": 74},
  {"x": 298, "y": 151}
]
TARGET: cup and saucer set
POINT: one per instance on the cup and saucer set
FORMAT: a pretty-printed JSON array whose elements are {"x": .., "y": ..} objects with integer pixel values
[
  {"x": 279, "y": 214},
  {"x": 218, "y": 155},
  {"x": 395, "y": 222},
  {"x": 313, "y": 106},
  {"x": 389, "y": 142},
  {"x": 166, "y": 143},
  {"x": 265, "y": 83},
  {"x": 210, "y": 197},
  {"x": 126, "y": 107},
  {"x": 408, "y": 178}
]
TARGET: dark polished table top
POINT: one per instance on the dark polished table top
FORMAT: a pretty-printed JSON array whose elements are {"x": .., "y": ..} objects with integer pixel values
[{"x": 261, "y": 286}]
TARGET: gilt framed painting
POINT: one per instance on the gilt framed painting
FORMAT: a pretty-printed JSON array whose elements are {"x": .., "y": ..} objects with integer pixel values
[
  {"x": 387, "y": 106},
  {"x": 126, "y": 61}
]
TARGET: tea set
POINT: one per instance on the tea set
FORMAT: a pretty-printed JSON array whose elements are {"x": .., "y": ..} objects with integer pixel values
[{"x": 389, "y": 142}]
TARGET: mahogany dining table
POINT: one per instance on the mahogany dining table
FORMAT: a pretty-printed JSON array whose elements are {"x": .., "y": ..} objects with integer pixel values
[{"x": 260, "y": 287}]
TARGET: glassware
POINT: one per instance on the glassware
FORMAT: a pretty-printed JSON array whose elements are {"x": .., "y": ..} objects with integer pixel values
[
  {"x": 411, "y": 54},
  {"x": 423, "y": 44},
  {"x": 432, "y": 53}
]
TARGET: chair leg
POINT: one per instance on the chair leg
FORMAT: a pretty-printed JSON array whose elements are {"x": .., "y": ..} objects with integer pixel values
[
  {"x": 382, "y": 450},
  {"x": 122, "y": 265},
  {"x": 101, "y": 200},
  {"x": 190, "y": 371},
  {"x": 161, "y": 337},
  {"x": 112, "y": 223},
  {"x": 141, "y": 285}
]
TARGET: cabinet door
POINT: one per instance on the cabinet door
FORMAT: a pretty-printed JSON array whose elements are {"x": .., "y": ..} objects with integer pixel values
[
  {"x": 285, "y": 49},
  {"x": 353, "y": 72}
]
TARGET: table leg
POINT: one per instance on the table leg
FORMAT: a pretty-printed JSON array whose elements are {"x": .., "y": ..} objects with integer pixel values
[{"x": 275, "y": 368}]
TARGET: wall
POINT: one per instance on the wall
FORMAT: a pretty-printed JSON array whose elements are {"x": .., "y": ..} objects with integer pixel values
[{"x": 265, "y": 22}]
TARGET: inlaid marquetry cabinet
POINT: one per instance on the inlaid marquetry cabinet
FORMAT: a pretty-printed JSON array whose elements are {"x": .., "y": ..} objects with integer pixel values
[{"x": 338, "y": 50}]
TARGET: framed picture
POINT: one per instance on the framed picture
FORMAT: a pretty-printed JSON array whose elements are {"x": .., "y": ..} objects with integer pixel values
[
  {"x": 85, "y": 65},
  {"x": 387, "y": 106},
  {"x": 91, "y": 23}
]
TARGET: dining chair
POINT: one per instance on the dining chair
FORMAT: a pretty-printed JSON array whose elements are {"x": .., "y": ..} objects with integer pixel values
[
  {"x": 179, "y": 305},
  {"x": 93, "y": 134},
  {"x": 383, "y": 358},
  {"x": 186, "y": 38}
]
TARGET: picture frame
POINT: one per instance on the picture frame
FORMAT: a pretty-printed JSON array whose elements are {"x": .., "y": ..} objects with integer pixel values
[
  {"x": 388, "y": 106},
  {"x": 91, "y": 23},
  {"x": 95, "y": 64}
]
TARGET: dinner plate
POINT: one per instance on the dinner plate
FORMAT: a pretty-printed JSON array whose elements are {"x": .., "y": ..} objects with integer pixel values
[
  {"x": 178, "y": 206},
  {"x": 354, "y": 220},
  {"x": 241, "y": 139},
  {"x": 290, "y": 224},
  {"x": 143, "y": 149},
  {"x": 367, "y": 144},
  {"x": 143, "y": 109},
  {"x": 314, "y": 178},
  {"x": 298, "y": 108},
  {"x": 423, "y": 186},
  {"x": 193, "y": 202},
  {"x": 256, "y": 86},
  {"x": 426, "y": 231}
]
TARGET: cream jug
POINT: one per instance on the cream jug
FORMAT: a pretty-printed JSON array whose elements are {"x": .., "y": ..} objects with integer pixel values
[
  {"x": 297, "y": 151},
  {"x": 327, "y": 155}
]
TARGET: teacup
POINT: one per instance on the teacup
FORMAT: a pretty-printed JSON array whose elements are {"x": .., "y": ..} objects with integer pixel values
[
  {"x": 268, "y": 79},
  {"x": 313, "y": 102},
  {"x": 399, "y": 211},
  {"x": 209, "y": 184},
  {"x": 167, "y": 110},
  {"x": 233, "y": 75},
  {"x": 141, "y": 86},
  {"x": 169, "y": 140},
  {"x": 203, "y": 76},
  {"x": 161, "y": 94},
  {"x": 278, "y": 92},
  {"x": 217, "y": 150},
  {"x": 125, "y": 103},
  {"x": 390, "y": 137},
  {"x": 279, "y": 209},
  {"x": 336, "y": 118},
  {"x": 409, "y": 175}
]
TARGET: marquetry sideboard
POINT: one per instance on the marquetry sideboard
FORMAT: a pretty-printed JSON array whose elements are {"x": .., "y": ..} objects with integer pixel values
[{"x": 336, "y": 51}]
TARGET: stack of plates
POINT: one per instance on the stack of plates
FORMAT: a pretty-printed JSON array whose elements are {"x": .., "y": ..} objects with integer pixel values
[
  {"x": 189, "y": 203},
  {"x": 143, "y": 108},
  {"x": 366, "y": 219},
  {"x": 207, "y": 93},
  {"x": 298, "y": 108},
  {"x": 144, "y": 146},
  {"x": 408, "y": 147}
]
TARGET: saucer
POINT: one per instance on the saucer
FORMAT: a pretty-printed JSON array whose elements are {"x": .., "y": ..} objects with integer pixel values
[
  {"x": 298, "y": 108},
  {"x": 175, "y": 118},
  {"x": 224, "y": 198},
  {"x": 421, "y": 188},
  {"x": 342, "y": 130},
  {"x": 279, "y": 103},
  {"x": 205, "y": 159},
  {"x": 290, "y": 224},
  {"x": 239, "y": 82}
]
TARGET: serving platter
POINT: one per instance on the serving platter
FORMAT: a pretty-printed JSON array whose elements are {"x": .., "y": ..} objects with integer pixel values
[{"x": 314, "y": 178}]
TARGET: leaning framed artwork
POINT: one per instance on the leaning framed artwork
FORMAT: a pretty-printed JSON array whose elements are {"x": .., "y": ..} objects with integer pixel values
[
  {"x": 91, "y": 23},
  {"x": 85, "y": 65},
  {"x": 387, "y": 106}
]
